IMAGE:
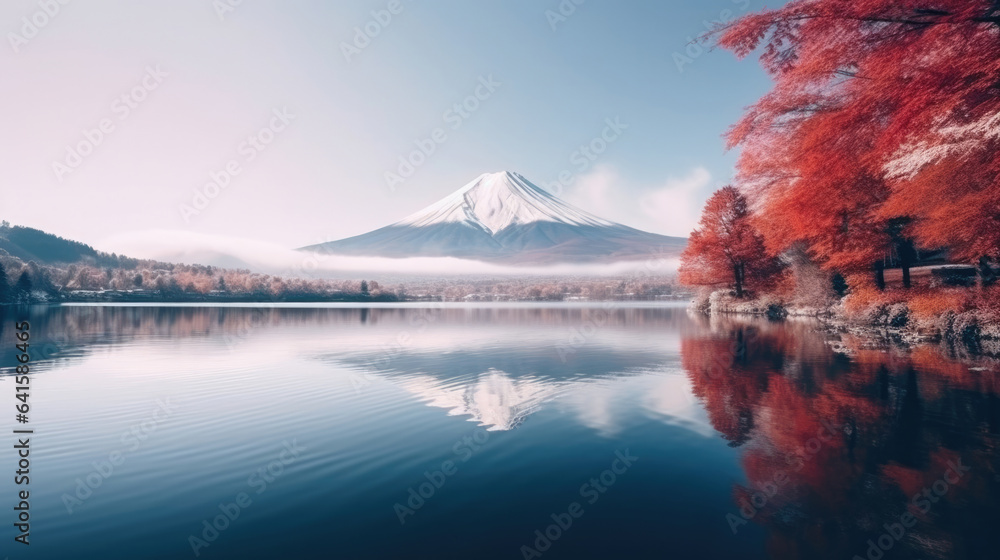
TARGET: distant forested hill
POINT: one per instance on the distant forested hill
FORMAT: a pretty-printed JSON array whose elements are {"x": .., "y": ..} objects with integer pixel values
[
  {"x": 37, "y": 267},
  {"x": 30, "y": 244}
]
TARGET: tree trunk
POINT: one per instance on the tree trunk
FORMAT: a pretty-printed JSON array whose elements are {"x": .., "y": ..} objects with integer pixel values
[
  {"x": 880, "y": 276},
  {"x": 907, "y": 256},
  {"x": 987, "y": 276},
  {"x": 738, "y": 277}
]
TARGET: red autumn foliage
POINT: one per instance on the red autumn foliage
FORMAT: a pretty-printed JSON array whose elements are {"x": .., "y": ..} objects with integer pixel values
[
  {"x": 727, "y": 249},
  {"x": 882, "y": 127},
  {"x": 833, "y": 443}
]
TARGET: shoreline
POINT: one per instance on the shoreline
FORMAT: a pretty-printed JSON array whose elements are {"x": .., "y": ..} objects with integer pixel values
[
  {"x": 975, "y": 331},
  {"x": 151, "y": 298}
]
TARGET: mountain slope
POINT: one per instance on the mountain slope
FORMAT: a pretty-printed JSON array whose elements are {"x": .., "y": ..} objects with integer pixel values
[
  {"x": 505, "y": 218},
  {"x": 31, "y": 244}
]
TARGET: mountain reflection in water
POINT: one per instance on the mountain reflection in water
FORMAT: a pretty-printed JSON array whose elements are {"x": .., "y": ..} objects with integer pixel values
[{"x": 755, "y": 439}]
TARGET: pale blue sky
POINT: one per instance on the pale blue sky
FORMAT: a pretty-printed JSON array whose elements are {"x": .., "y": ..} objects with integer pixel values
[{"x": 348, "y": 122}]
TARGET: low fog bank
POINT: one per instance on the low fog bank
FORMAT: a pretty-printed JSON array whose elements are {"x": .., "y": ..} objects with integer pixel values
[{"x": 269, "y": 258}]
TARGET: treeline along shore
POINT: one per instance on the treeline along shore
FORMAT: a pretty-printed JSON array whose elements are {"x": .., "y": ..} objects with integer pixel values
[
  {"x": 37, "y": 267},
  {"x": 867, "y": 188}
]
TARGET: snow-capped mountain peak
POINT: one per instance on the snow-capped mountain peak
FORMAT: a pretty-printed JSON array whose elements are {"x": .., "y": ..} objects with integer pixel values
[
  {"x": 496, "y": 201},
  {"x": 503, "y": 217}
]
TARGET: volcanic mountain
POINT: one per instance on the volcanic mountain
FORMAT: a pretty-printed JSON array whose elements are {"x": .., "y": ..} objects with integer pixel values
[{"x": 503, "y": 217}]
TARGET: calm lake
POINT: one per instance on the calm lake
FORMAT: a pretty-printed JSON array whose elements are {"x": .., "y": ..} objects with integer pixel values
[{"x": 610, "y": 431}]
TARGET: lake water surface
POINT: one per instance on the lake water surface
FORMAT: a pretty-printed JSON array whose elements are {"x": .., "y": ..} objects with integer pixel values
[{"x": 609, "y": 431}]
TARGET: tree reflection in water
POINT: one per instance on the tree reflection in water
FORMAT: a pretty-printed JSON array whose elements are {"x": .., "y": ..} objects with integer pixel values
[{"x": 903, "y": 418}]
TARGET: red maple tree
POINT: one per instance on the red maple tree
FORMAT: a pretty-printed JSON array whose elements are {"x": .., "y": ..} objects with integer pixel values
[
  {"x": 882, "y": 127},
  {"x": 727, "y": 249}
]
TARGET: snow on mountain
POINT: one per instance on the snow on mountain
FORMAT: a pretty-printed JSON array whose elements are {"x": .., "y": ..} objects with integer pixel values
[
  {"x": 496, "y": 201},
  {"x": 503, "y": 217}
]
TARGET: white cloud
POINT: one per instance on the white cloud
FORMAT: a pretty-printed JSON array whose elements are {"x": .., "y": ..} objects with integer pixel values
[
  {"x": 235, "y": 252},
  {"x": 672, "y": 208},
  {"x": 591, "y": 191},
  {"x": 678, "y": 204}
]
